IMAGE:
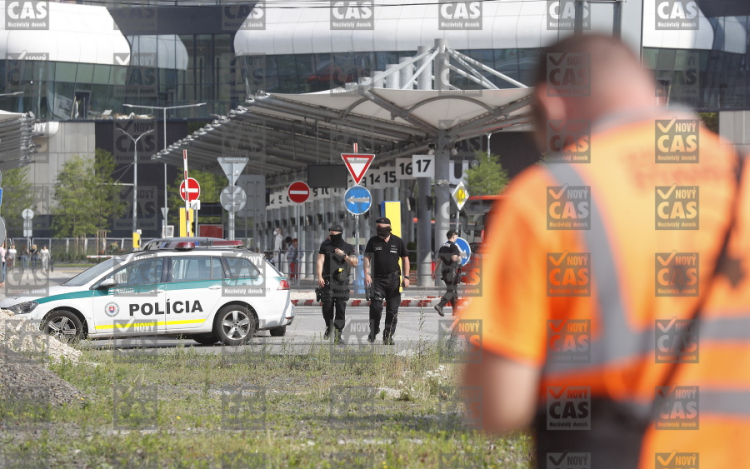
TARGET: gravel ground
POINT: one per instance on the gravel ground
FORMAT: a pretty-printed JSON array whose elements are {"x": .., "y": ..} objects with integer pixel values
[
  {"x": 24, "y": 351},
  {"x": 27, "y": 339}
]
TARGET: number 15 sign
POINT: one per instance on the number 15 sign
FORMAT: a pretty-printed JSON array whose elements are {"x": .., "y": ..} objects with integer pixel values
[{"x": 423, "y": 166}]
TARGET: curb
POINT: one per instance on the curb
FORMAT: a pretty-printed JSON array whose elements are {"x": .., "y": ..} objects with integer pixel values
[{"x": 430, "y": 302}]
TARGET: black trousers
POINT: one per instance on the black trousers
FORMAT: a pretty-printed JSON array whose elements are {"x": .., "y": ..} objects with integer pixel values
[
  {"x": 451, "y": 289},
  {"x": 385, "y": 288},
  {"x": 334, "y": 298}
]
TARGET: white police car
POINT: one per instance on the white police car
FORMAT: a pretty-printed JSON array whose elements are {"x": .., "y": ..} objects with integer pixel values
[{"x": 210, "y": 293}]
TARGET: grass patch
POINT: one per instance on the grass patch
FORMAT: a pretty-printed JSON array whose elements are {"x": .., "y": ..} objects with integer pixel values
[{"x": 185, "y": 409}]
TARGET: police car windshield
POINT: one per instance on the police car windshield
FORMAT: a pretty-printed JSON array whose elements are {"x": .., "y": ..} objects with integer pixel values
[{"x": 88, "y": 275}]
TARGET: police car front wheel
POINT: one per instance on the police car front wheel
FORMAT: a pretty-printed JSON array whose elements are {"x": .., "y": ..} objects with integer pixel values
[
  {"x": 236, "y": 325},
  {"x": 64, "y": 326}
]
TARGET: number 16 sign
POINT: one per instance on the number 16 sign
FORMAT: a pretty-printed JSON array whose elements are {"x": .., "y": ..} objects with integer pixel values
[{"x": 423, "y": 166}]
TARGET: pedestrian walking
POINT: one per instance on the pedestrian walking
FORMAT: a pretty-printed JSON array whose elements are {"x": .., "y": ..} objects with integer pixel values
[
  {"x": 335, "y": 259},
  {"x": 34, "y": 254},
  {"x": 292, "y": 256},
  {"x": 44, "y": 255},
  {"x": 3, "y": 252},
  {"x": 448, "y": 263},
  {"x": 10, "y": 257},
  {"x": 383, "y": 276}
]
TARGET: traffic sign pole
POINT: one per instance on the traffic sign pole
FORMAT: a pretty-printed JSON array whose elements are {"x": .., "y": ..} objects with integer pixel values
[{"x": 187, "y": 198}]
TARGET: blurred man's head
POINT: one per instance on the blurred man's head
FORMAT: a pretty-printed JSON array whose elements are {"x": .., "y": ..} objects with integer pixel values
[{"x": 617, "y": 82}]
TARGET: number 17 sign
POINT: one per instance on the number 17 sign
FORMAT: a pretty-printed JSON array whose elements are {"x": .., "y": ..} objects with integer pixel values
[{"x": 423, "y": 166}]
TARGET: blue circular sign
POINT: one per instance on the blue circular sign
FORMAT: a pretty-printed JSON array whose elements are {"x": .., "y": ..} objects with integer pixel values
[
  {"x": 465, "y": 249},
  {"x": 357, "y": 200}
]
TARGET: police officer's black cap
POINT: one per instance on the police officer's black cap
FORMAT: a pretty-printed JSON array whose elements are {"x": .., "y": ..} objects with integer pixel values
[
  {"x": 451, "y": 233},
  {"x": 383, "y": 221},
  {"x": 336, "y": 228}
]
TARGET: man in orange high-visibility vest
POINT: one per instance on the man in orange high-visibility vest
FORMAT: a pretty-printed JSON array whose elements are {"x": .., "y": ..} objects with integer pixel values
[{"x": 616, "y": 306}]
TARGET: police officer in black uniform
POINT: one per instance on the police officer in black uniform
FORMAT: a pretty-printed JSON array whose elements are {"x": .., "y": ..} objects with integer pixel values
[
  {"x": 335, "y": 258},
  {"x": 447, "y": 263},
  {"x": 382, "y": 254}
]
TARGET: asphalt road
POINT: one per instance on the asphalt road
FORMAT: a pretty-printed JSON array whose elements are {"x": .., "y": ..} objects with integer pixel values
[{"x": 415, "y": 325}]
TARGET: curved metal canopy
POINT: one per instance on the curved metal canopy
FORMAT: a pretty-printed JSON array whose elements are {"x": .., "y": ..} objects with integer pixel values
[
  {"x": 16, "y": 133},
  {"x": 282, "y": 133}
]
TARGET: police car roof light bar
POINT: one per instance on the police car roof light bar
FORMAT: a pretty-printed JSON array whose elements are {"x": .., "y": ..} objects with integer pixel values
[
  {"x": 185, "y": 246},
  {"x": 228, "y": 243}
]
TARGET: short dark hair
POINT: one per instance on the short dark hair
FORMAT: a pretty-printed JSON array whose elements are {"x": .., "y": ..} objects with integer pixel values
[{"x": 450, "y": 233}]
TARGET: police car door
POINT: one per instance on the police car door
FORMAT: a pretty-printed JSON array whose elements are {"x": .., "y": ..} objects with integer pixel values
[
  {"x": 193, "y": 291},
  {"x": 135, "y": 305}
]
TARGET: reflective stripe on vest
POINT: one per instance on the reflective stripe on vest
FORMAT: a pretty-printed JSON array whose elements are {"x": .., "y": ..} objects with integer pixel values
[{"x": 617, "y": 341}]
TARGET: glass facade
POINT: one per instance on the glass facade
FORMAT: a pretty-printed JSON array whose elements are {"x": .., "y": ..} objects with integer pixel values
[{"x": 203, "y": 68}]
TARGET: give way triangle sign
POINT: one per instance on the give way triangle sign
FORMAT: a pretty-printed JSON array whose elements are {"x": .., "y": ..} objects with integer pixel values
[{"x": 357, "y": 164}]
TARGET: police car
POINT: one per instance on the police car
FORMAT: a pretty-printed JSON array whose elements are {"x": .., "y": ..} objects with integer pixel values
[{"x": 210, "y": 293}]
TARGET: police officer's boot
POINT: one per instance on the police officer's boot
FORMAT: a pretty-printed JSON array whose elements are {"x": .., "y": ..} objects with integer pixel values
[
  {"x": 327, "y": 334},
  {"x": 439, "y": 308}
]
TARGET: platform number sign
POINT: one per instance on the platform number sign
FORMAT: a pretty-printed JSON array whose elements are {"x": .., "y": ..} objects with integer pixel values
[
  {"x": 404, "y": 168},
  {"x": 423, "y": 166}
]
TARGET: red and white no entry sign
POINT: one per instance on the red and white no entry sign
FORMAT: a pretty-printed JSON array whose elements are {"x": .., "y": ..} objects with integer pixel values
[
  {"x": 298, "y": 192},
  {"x": 191, "y": 191}
]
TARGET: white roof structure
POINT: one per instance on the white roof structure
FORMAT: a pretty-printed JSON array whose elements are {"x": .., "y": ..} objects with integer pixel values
[
  {"x": 506, "y": 25},
  {"x": 16, "y": 132},
  {"x": 77, "y": 34},
  {"x": 734, "y": 34}
]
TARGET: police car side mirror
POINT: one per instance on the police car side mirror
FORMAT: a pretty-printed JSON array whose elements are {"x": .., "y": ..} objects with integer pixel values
[{"x": 107, "y": 283}]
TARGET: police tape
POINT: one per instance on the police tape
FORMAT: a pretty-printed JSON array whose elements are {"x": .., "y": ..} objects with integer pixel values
[{"x": 360, "y": 302}]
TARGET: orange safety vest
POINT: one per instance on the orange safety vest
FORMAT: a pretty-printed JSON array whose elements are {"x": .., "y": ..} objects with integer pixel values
[{"x": 623, "y": 308}]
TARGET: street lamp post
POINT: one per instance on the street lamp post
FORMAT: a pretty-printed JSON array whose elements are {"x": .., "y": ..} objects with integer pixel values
[
  {"x": 164, "y": 109},
  {"x": 135, "y": 173}
]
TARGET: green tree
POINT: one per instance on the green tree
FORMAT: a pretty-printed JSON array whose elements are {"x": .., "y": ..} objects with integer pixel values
[
  {"x": 488, "y": 177},
  {"x": 17, "y": 196},
  {"x": 87, "y": 198},
  {"x": 211, "y": 187}
]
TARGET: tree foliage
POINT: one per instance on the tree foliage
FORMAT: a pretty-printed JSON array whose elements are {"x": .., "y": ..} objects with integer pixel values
[
  {"x": 17, "y": 196},
  {"x": 488, "y": 177},
  {"x": 87, "y": 198}
]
